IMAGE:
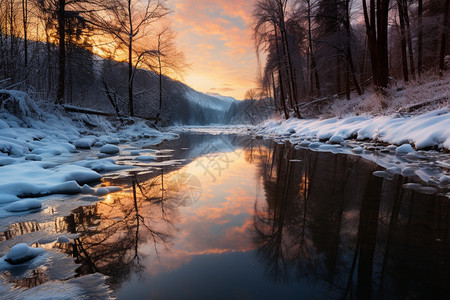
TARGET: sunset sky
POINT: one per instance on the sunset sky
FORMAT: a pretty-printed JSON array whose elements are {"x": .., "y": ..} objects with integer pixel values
[{"x": 217, "y": 42}]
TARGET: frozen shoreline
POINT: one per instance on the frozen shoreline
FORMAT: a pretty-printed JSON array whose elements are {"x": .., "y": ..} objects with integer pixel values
[
  {"x": 42, "y": 152},
  {"x": 427, "y": 131}
]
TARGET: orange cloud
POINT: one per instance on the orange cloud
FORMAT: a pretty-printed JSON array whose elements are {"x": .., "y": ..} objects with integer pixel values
[{"x": 217, "y": 41}]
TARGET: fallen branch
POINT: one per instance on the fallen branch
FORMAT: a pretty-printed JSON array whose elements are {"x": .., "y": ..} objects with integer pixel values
[{"x": 413, "y": 107}]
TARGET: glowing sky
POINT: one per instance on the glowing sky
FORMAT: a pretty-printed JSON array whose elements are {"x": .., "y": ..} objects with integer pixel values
[{"x": 217, "y": 42}]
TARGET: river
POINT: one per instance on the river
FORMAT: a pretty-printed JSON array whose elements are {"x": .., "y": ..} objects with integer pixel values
[{"x": 234, "y": 217}]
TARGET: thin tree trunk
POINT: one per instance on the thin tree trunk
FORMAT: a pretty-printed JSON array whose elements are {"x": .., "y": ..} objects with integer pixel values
[
  {"x": 25, "y": 33},
  {"x": 412, "y": 67},
  {"x": 403, "y": 40},
  {"x": 420, "y": 40},
  {"x": 377, "y": 36},
  {"x": 349, "y": 51},
  {"x": 130, "y": 63},
  {"x": 313, "y": 61},
  {"x": 62, "y": 51},
  {"x": 280, "y": 77},
  {"x": 444, "y": 40}
]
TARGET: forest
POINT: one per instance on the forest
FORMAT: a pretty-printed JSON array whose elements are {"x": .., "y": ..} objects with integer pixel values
[
  {"x": 321, "y": 49},
  {"x": 121, "y": 56}
]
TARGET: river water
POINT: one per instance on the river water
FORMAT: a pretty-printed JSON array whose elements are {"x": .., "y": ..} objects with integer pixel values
[{"x": 243, "y": 218}]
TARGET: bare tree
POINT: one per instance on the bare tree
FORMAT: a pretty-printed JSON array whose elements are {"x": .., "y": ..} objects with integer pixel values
[
  {"x": 128, "y": 22},
  {"x": 167, "y": 59},
  {"x": 376, "y": 21},
  {"x": 444, "y": 35}
]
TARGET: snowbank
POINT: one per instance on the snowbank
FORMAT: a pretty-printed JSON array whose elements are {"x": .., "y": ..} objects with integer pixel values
[
  {"x": 430, "y": 130},
  {"x": 45, "y": 150}
]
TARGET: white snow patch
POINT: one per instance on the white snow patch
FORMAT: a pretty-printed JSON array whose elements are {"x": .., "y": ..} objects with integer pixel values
[
  {"x": 21, "y": 253},
  {"x": 109, "y": 149}
]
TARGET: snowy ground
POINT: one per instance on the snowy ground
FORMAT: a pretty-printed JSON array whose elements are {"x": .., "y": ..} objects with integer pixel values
[{"x": 43, "y": 152}]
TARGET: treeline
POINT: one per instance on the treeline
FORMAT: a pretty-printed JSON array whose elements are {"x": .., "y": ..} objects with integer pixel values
[
  {"x": 320, "y": 48},
  {"x": 48, "y": 46}
]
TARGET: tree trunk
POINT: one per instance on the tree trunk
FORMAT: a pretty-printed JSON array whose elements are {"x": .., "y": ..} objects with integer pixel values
[
  {"x": 280, "y": 78},
  {"x": 313, "y": 61},
  {"x": 62, "y": 51},
  {"x": 25, "y": 33},
  {"x": 130, "y": 61},
  {"x": 403, "y": 40},
  {"x": 349, "y": 52},
  {"x": 412, "y": 67},
  {"x": 130, "y": 77},
  {"x": 444, "y": 40},
  {"x": 420, "y": 40},
  {"x": 377, "y": 37}
]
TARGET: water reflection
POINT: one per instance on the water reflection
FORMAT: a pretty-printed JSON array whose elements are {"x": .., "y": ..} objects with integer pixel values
[
  {"x": 327, "y": 218},
  {"x": 255, "y": 219}
]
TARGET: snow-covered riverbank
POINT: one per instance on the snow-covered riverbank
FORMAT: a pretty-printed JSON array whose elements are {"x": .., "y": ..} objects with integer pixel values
[
  {"x": 41, "y": 151},
  {"x": 430, "y": 130}
]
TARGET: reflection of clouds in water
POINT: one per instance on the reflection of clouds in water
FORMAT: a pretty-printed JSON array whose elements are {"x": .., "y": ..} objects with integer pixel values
[{"x": 217, "y": 224}]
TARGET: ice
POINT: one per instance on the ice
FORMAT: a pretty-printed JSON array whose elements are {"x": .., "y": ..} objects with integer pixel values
[
  {"x": 79, "y": 174},
  {"x": 23, "y": 205},
  {"x": 412, "y": 185},
  {"x": 336, "y": 139},
  {"x": 70, "y": 187},
  {"x": 86, "y": 189},
  {"x": 404, "y": 149},
  {"x": 109, "y": 149},
  {"x": 22, "y": 253},
  {"x": 383, "y": 174},
  {"x": 357, "y": 150},
  {"x": 145, "y": 158},
  {"x": 102, "y": 191},
  {"x": 114, "y": 189},
  {"x": 445, "y": 179},
  {"x": 63, "y": 240}
]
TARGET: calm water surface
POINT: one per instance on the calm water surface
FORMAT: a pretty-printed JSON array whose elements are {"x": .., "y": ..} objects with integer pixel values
[{"x": 250, "y": 219}]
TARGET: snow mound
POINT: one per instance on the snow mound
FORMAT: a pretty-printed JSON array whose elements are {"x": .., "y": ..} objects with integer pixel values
[
  {"x": 22, "y": 253},
  {"x": 109, "y": 149},
  {"x": 24, "y": 205}
]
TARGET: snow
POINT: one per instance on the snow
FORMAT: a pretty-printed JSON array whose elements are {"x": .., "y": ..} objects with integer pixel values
[
  {"x": 23, "y": 205},
  {"x": 145, "y": 158},
  {"x": 109, "y": 149},
  {"x": 21, "y": 253},
  {"x": 39, "y": 156},
  {"x": 404, "y": 149},
  {"x": 430, "y": 130},
  {"x": 83, "y": 143}
]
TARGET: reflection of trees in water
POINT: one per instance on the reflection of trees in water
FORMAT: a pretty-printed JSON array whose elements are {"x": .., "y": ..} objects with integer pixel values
[
  {"x": 112, "y": 231},
  {"x": 327, "y": 218}
]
